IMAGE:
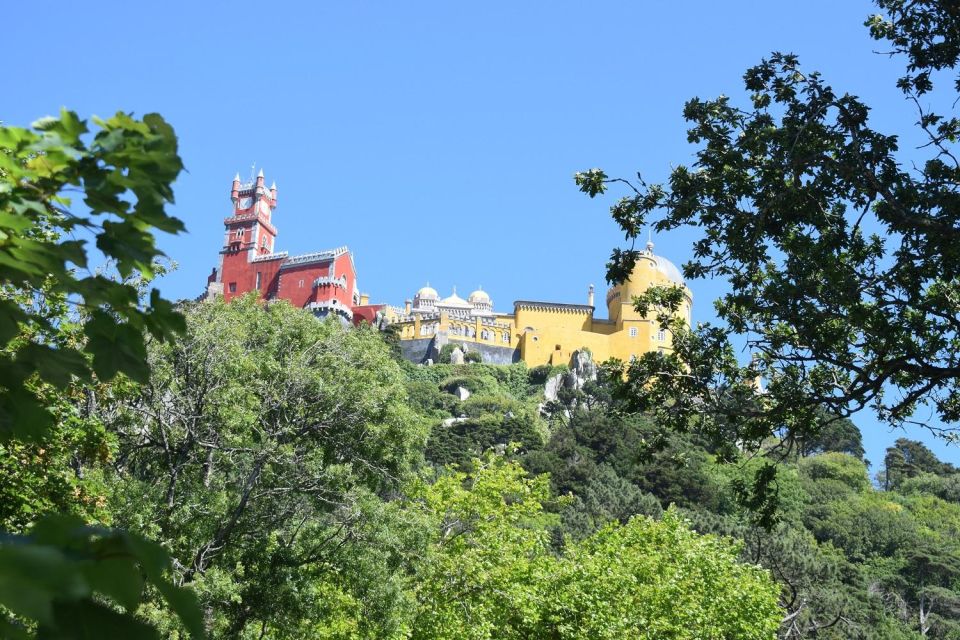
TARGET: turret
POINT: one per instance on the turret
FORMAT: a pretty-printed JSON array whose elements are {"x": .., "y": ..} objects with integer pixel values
[
  {"x": 260, "y": 183},
  {"x": 273, "y": 193},
  {"x": 235, "y": 189},
  {"x": 406, "y": 307}
]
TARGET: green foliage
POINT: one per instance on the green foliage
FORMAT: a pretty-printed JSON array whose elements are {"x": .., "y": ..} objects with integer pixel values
[
  {"x": 484, "y": 576},
  {"x": 488, "y": 421},
  {"x": 124, "y": 173},
  {"x": 659, "y": 579},
  {"x": 472, "y": 356},
  {"x": 835, "y": 469},
  {"x": 841, "y": 263},
  {"x": 835, "y": 434},
  {"x": 489, "y": 571},
  {"x": 427, "y": 399},
  {"x": 62, "y": 573},
  {"x": 295, "y": 427},
  {"x": 908, "y": 459},
  {"x": 541, "y": 373},
  {"x": 61, "y": 326},
  {"x": 443, "y": 357}
]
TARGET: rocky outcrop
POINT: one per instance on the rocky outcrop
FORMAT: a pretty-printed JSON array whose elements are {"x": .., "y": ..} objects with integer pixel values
[{"x": 582, "y": 370}]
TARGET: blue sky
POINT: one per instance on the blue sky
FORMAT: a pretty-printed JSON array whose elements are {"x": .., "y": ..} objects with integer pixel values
[{"x": 437, "y": 139}]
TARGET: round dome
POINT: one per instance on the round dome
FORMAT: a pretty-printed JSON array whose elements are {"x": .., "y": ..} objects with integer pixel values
[
  {"x": 664, "y": 266},
  {"x": 668, "y": 269},
  {"x": 428, "y": 292},
  {"x": 478, "y": 296},
  {"x": 454, "y": 301}
]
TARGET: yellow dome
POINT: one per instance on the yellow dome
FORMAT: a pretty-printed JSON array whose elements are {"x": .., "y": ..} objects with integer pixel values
[
  {"x": 478, "y": 296},
  {"x": 428, "y": 292}
]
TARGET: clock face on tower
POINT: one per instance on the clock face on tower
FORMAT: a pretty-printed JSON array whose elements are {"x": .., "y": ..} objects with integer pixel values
[{"x": 244, "y": 203}]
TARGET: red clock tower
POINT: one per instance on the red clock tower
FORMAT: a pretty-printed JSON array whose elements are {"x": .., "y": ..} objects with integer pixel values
[{"x": 323, "y": 281}]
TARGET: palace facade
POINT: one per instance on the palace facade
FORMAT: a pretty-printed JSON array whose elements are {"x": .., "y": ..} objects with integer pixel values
[
  {"x": 325, "y": 282},
  {"x": 539, "y": 332},
  {"x": 536, "y": 332}
]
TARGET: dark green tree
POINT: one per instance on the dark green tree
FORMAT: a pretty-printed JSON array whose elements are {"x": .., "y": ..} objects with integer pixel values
[
  {"x": 62, "y": 324},
  {"x": 259, "y": 451},
  {"x": 842, "y": 261}
]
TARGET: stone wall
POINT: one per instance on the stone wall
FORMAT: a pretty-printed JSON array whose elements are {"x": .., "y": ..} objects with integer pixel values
[
  {"x": 494, "y": 355},
  {"x": 422, "y": 348},
  {"x": 416, "y": 350}
]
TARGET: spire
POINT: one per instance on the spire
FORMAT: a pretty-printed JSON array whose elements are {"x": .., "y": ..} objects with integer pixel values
[
  {"x": 260, "y": 175},
  {"x": 649, "y": 240},
  {"x": 273, "y": 186},
  {"x": 236, "y": 178}
]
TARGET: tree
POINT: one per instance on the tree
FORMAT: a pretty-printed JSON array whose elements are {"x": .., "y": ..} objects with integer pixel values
[
  {"x": 834, "y": 434},
  {"x": 483, "y": 575},
  {"x": 909, "y": 459},
  {"x": 843, "y": 265},
  {"x": 67, "y": 578},
  {"x": 659, "y": 579},
  {"x": 258, "y": 451},
  {"x": 488, "y": 570}
]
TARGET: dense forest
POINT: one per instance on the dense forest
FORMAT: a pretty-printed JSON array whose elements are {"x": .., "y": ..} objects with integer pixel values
[
  {"x": 308, "y": 483},
  {"x": 247, "y": 470}
]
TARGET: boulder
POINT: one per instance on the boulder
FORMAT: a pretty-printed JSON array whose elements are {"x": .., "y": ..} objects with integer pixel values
[
  {"x": 462, "y": 393},
  {"x": 456, "y": 356}
]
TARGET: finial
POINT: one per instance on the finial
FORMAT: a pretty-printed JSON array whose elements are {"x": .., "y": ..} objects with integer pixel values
[
  {"x": 649, "y": 240},
  {"x": 454, "y": 289}
]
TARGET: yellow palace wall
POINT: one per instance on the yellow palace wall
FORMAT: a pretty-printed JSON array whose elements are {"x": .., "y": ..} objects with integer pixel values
[{"x": 549, "y": 333}]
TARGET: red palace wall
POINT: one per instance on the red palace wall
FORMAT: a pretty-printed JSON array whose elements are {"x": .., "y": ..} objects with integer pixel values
[{"x": 325, "y": 281}]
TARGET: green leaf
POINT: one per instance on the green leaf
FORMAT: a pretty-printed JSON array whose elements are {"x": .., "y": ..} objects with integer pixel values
[
  {"x": 88, "y": 620},
  {"x": 184, "y": 604},
  {"x": 117, "y": 578},
  {"x": 32, "y": 576},
  {"x": 116, "y": 347}
]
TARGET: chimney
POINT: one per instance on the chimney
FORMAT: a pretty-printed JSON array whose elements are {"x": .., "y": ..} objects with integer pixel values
[
  {"x": 364, "y": 298},
  {"x": 590, "y": 296}
]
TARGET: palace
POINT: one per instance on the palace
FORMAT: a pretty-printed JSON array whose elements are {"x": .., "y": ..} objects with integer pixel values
[
  {"x": 325, "y": 282},
  {"x": 542, "y": 332}
]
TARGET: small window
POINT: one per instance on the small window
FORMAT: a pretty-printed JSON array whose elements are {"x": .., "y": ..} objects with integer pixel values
[
  {"x": 257, "y": 287},
  {"x": 233, "y": 287},
  {"x": 239, "y": 233},
  {"x": 661, "y": 335},
  {"x": 633, "y": 332},
  {"x": 301, "y": 284}
]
